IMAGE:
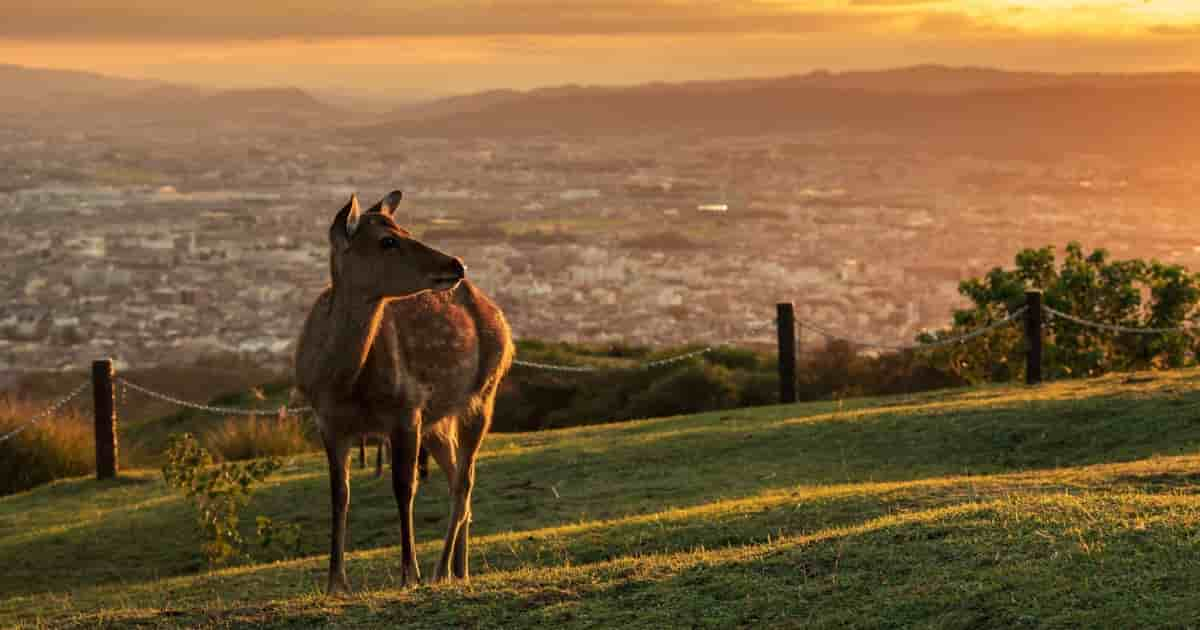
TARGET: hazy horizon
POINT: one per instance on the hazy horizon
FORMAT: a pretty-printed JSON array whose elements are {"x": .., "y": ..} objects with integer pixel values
[{"x": 439, "y": 49}]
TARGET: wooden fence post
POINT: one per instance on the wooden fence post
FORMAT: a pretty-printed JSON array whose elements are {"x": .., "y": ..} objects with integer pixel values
[
  {"x": 785, "y": 322},
  {"x": 106, "y": 419},
  {"x": 1033, "y": 337}
]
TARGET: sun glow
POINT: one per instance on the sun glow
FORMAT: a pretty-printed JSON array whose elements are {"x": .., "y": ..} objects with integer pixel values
[{"x": 480, "y": 45}]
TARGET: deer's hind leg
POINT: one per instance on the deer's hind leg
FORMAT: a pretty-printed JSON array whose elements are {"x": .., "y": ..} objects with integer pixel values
[
  {"x": 455, "y": 447},
  {"x": 442, "y": 444},
  {"x": 379, "y": 453},
  {"x": 471, "y": 438},
  {"x": 406, "y": 442}
]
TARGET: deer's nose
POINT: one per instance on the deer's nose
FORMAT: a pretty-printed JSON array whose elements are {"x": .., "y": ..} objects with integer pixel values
[{"x": 458, "y": 268}]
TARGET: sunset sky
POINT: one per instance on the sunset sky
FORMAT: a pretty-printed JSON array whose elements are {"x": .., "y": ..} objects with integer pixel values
[{"x": 450, "y": 46}]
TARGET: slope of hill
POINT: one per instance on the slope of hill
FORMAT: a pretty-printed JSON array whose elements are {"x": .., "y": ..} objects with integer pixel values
[
  {"x": 277, "y": 107},
  {"x": 923, "y": 79},
  {"x": 1070, "y": 505},
  {"x": 451, "y": 105},
  {"x": 41, "y": 89},
  {"x": 1139, "y": 117},
  {"x": 99, "y": 99}
]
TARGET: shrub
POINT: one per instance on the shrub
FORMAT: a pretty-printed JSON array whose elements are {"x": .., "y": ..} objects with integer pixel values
[
  {"x": 281, "y": 539},
  {"x": 253, "y": 437},
  {"x": 756, "y": 389},
  {"x": 738, "y": 359},
  {"x": 696, "y": 387},
  {"x": 532, "y": 399},
  {"x": 218, "y": 493},
  {"x": 56, "y": 447}
]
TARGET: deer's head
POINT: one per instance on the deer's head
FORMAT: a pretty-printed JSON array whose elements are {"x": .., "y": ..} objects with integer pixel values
[{"x": 372, "y": 257}]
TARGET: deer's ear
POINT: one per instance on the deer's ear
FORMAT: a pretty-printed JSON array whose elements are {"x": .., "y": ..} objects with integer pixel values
[
  {"x": 353, "y": 214},
  {"x": 388, "y": 204}
]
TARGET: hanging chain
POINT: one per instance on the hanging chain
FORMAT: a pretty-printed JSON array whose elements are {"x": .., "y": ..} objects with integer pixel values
[
  {"x": 1052, "y": 312},
  {"x": 45, "y": 413},
  {"x": 232, "y": 411},
  {"x": 940, "y": 343},
  {"x": 587, "y": 368}
]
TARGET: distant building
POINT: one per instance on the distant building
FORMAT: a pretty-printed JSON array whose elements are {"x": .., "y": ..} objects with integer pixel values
[{"x": 579, "y": 194}]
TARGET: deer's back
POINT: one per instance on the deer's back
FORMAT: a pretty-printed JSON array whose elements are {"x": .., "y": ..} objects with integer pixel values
[{"x": 441, "y": 351}]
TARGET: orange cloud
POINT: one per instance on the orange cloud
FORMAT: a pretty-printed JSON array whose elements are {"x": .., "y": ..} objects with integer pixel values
[
  {"x": 460, "y": 45},
  {"x": 232, "y": 20}
]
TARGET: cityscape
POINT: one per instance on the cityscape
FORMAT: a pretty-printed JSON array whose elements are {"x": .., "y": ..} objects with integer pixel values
[{"x": 165, "y": 241}]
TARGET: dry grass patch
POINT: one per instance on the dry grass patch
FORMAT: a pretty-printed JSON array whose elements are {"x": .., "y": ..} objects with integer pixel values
[
  {"x": 252, "y": 437},
  {"x": 54, "y": 448}
]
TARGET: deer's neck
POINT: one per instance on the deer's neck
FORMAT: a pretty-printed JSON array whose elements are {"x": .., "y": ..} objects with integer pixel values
[{"x": 355, "y": 327}]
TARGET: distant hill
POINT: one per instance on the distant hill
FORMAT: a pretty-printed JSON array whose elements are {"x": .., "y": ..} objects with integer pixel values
[
  {"x": 101, "y": 99},
  {"x": 263, "y": 105},
  {"x": 38, "y": 89},
  {"x": 453, "y": 105},
  {"x": 269, "y": 107},
  {"x": 938, "y": 108},
  {"x": 1143, "y": 117}
]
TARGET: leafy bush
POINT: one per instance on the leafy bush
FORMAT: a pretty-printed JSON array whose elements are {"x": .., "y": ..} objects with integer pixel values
[
  {"x": 59, "y": 446},
  {"x": 739, "y": 359},
  {"x": 757, "y": 388},
  {"x": 218, "y": 492},
  {"x": 282, "y": 539},
  {"x": 533, "y": 399},
  {"x": 696, "y": 387},
  {"x": 1133, "y": 293},
  {"x": 253, "y": 437}
]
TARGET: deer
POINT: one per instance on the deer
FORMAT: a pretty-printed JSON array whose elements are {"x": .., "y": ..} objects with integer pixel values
[
  {"x": 422, "y": 458},
  {"x": 401, "y": 345}
]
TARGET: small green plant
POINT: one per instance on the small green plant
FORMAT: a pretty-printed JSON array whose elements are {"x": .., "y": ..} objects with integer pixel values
[
  {"x": 218, "y": 492},
  {"x": 281, "y": 538}
]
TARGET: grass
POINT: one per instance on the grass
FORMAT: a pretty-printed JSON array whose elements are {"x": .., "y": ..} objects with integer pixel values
[
  {"x": 1070, "y": 505},
  {"x": 252, "y": 437},
  {"x": 54, "y": 448}
]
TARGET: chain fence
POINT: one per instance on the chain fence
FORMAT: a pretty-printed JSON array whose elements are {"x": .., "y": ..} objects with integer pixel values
[
  {"x": 821, "y": 330},
  {"x": 47, "y": 412},
  {"x": 1055, "y": 313},
  {"x": 939, "y": 343},
  {"x": 229, "y": 411},
  {"x": 589, "y": 368},
  {"x": 648, "y": 365},
  {"x": 125, "y": 384}
]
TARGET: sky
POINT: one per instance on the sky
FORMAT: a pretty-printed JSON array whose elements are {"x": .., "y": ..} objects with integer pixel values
[{"x": 404, "y": 48}]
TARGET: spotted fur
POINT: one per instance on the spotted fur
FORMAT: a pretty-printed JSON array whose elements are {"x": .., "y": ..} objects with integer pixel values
[{"x": 388, "y": 350}]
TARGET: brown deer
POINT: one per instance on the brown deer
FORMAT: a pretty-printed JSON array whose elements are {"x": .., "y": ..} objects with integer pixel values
[
  {"x": 401, "y": 345},
  {"x": 422, "y": 458}
]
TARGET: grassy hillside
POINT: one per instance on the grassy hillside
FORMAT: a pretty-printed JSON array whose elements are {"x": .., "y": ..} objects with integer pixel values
[{"x": 1069, "y": 505}]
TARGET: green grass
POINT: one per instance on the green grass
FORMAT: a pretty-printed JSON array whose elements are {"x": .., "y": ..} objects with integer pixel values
[{"x": 1069, "y": 505}]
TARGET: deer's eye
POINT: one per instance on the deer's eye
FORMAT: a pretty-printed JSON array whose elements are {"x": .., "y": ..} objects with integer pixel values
[{"x": 390, "y": 242}]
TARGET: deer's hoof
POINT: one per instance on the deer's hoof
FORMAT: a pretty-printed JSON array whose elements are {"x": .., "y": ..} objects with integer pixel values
[{"x": 410, "y": 576}]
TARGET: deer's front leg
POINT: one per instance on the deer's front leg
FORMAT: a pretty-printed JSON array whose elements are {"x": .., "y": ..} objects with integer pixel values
[
  {"x": 406, "y": 443},
  {"x": 337, "y": 450}
]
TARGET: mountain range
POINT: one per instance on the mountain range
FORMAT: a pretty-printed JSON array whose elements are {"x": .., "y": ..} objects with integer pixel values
[
  {"x": 930, "y": 107},
  {"x": 61, "y": 94}
]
